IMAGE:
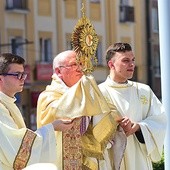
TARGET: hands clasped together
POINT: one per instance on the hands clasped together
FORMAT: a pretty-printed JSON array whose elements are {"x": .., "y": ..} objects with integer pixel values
[{"x": 128, "y": 126}]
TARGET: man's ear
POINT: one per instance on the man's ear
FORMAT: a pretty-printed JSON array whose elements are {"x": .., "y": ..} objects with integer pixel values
[
  {"x": 110, "y": 64},
  {"x": 0, "y": 78},
  {"x": 58, "y": 72}
]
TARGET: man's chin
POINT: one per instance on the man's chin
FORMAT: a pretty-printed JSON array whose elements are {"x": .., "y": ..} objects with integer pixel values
[
  {"x": 130, "y": 76},
  {"x": 20, "y": 90}
]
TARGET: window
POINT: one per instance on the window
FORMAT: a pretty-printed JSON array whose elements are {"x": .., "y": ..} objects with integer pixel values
[
  {"x": 99, "y": 54},
  {"x": 17, "y": 46},
  {"x": 45, "y": 50},
  {"x": 16, "y": 4},
  {"x": 155, "y": 27},
  {"x": 95, "y": 1},
  {"x": 69, "y": 45},
  {"x": 156, "y": 59},
  {"x": 124, "y": 2},
  {"x": 126, "y": 12}
]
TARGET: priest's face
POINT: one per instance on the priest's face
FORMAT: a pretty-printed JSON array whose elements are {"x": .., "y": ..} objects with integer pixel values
[
  {"x": 122, "y": 66},
  {"x": 70, "y": 72}
]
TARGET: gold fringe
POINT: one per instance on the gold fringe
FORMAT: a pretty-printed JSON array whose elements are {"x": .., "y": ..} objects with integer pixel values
[
  {"x": 89, "y": 164},
  {"x": 95, "y": 140}
]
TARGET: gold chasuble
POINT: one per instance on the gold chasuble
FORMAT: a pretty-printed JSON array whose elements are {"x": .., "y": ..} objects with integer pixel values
[{"x": 94, "y": 122}]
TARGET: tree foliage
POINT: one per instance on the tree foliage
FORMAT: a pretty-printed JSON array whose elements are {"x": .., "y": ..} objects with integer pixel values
[{"x": 159, "y": 165}]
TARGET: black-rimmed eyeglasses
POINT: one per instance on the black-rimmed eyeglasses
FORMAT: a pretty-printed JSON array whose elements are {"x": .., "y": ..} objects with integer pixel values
[{"x": 19, "y": 76}]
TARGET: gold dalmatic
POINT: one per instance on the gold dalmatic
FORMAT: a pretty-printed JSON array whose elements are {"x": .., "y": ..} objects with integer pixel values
[{"x": 84, "y": 41}]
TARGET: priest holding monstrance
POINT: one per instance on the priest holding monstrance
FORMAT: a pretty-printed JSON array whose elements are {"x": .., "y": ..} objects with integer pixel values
[{"x": 74, "y": 96}]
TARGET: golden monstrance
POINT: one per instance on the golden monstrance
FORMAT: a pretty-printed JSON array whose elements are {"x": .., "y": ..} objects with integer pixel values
[{"x": 84, "y": 41}]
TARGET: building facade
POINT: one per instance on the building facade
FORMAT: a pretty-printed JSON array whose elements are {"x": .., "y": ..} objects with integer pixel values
[{"x": 39, "y": 29}]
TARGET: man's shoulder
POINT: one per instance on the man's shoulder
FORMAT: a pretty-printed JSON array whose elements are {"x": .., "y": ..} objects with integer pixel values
[
  {"x": 2, "y": 105},
  {"x": 142, "y": 86},
  {"x": 102, "y": 84},
  {"x": 48, "y": 96},
  {"x": 103, "y": 87}
]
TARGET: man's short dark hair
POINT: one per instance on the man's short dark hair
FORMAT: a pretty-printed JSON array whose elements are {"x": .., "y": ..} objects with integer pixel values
[
  {"x": 117, "y": 47},
  {"x": 8, "y": 58}
]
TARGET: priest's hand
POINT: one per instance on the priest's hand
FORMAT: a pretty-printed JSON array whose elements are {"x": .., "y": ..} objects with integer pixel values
[
  {"x": 62, "y": 125},
  {"x": 134, "y": 128},
  {"x": 126, "y": 124}
]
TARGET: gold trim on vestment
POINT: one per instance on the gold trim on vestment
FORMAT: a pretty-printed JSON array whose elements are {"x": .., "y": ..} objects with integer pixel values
[
  {"x": 24, "y": 151},
  {"x": 96, "y": 138},
  {"x": 117, "y": 85},
  {"x": 90, "y": 164},
  {"x": 72, "y": 150},
  {"x": 93, "y": 146}
]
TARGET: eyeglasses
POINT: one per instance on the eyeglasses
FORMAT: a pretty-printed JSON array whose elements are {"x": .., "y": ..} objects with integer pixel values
[
  {"x": 73, "y": 66},
  {"x": 19, "y": 76}
]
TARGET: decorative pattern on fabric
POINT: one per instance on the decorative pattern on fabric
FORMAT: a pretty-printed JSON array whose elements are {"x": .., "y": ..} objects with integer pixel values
[
  {"x": 144, "y": 96},
  {"x": 83, "y": 125},
  {"x": 24, "y": 152},
  {"x": 72, "y": 150},
  {"x": 143, "y": 99}
]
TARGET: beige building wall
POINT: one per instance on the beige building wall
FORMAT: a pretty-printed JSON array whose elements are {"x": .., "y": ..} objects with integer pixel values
[
  {"x": 130, "y": 32},
  {"x": 56, "y": 19},
  {"x": 60, "y": 17},
  {"x": 105, "y": 19},
  {"x": 140, "y": 40},
  {"x": 2, "y": 25},
  {"x": 30, "y": 34},
  {"x": 12, "y": 24}
]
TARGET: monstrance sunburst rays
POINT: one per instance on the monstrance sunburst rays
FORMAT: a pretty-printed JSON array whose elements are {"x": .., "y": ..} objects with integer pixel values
[{"x": 84, "y": 41}]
